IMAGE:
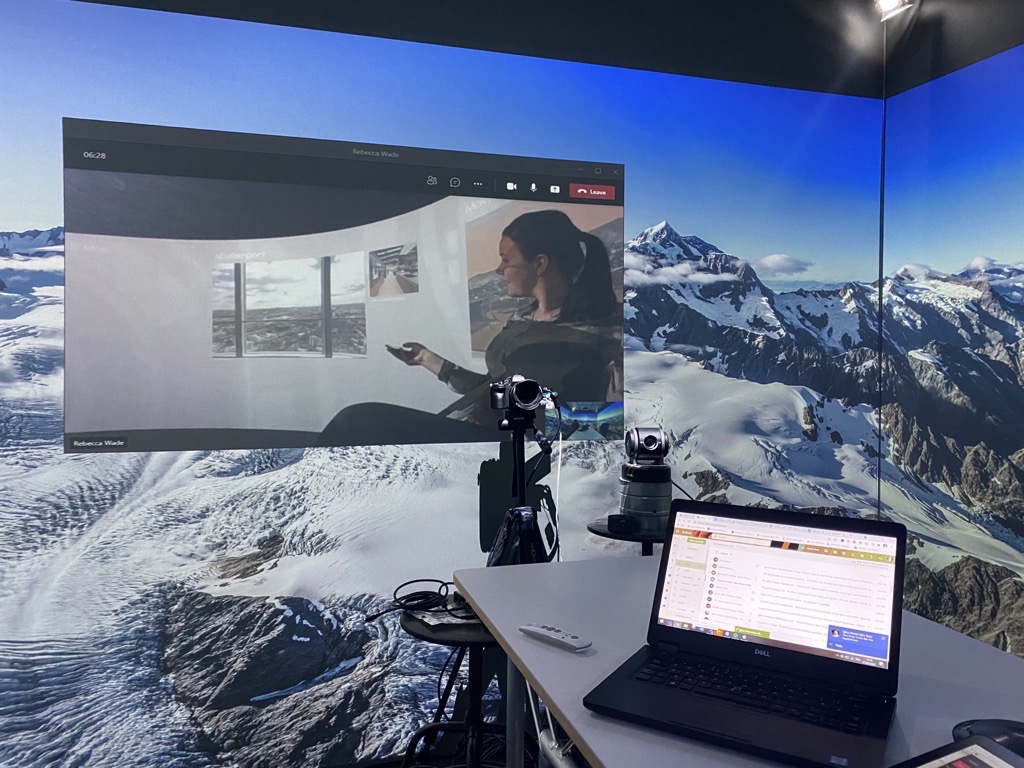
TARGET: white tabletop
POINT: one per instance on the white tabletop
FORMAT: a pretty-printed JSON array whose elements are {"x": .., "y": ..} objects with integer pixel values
[{"x": 945, "y": 677}]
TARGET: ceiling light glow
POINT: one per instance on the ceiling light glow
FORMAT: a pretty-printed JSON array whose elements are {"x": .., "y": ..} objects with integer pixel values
[{"x": 890, "y": 8}]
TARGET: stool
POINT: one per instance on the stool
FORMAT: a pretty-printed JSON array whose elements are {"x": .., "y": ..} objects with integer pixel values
[{"x": 472, "y": 637}]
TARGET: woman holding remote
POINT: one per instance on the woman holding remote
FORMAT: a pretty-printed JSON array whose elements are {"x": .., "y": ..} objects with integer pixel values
[{"x": 568, "y": 339}]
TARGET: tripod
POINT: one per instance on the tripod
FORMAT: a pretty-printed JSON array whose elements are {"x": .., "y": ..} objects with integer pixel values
[{"x": 519, "y": 539}]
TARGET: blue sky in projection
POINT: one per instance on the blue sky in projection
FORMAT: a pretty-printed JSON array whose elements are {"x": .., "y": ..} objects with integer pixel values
[
  {"x": 955, "y": 168},
  {"x": 754, "y": 170}
]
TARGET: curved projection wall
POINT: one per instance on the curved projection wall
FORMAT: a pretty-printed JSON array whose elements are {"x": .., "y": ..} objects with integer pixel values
[{"x": 195, "y": 608}]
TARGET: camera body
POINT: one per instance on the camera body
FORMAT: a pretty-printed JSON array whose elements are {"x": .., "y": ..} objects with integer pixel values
[
  {"x": 646, "y": 445},
  {"x": 645, "y": 484},
  {"x": 516, "y": 392}
]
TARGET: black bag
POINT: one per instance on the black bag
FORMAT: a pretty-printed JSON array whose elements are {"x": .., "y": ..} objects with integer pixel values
[{"x": 520, "y": 540}]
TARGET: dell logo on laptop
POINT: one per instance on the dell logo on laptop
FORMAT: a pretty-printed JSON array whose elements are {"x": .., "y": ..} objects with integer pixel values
[{"x": 762, "y": 652}]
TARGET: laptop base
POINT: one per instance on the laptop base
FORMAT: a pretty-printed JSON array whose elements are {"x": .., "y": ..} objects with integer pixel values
[{"x": 738, "y": 727}]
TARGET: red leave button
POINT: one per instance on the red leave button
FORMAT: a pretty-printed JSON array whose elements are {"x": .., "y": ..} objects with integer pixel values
[{"x": 591, "y": 191}]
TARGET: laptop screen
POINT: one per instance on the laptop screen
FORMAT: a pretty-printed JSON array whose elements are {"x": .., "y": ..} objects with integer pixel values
[{"x": 815, "y": 590}]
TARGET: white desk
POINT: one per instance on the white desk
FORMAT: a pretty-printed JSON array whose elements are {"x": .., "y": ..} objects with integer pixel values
[{"x": 945, "y": 677}]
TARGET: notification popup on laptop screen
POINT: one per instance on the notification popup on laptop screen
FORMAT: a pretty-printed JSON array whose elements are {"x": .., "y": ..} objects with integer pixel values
[
  {"x": 822, "y": 592},
  {"x": 233, "y": 290}
]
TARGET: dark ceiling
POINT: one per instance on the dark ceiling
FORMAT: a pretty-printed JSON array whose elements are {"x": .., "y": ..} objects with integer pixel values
[
  {"x": 821, "y": 45},
  {"x": 941, "y": 36}
]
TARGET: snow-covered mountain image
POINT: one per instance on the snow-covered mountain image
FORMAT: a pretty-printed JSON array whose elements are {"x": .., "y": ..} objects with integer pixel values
[
  {"x": 210, "y": 608},
  {"x": 916, "y": 417}
]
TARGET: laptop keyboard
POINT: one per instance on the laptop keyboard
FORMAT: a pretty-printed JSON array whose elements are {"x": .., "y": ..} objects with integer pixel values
[{"x": 762, "y": 691}]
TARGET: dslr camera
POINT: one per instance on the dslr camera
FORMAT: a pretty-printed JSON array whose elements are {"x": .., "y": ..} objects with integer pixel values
[{"x": 516, "y": 392}]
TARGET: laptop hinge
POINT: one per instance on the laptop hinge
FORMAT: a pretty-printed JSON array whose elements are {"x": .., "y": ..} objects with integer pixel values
[{"x": 666, "y": 647}]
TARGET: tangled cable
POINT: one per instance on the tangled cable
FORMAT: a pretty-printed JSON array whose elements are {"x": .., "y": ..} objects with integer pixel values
[{"x": 436, "y": 601}]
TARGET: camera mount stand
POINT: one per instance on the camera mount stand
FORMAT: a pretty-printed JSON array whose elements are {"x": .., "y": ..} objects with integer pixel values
[
  {"x": 517, "y": 421},
  {"x": 519, "y": 540}
]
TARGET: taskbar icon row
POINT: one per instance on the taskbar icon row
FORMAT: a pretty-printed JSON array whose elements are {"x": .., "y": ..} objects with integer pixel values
[
  {"x": 519, "y": 186},
  {"x": 716, "y": 631}
]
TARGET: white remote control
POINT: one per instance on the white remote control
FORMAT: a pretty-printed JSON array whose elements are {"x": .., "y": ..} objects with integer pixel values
[{"x": 555, "y": 636}]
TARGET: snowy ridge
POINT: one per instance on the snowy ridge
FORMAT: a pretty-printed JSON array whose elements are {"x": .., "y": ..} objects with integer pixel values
[
  {"x": 32, "y": 241},
  {"x": 990, "y": 271},
  {"x": 667, "y": 247},
  {"x": 833, "y": 318},
  {"x": 960, "y": 309}
]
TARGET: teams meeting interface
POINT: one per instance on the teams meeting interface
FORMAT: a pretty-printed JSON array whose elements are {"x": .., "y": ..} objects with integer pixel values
[
  {"x": 229, "y": 290},
  {"x": 816, "y": 591}
]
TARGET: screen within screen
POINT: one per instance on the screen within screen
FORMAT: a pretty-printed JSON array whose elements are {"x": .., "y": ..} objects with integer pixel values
[{"x": 241, "y": 291}]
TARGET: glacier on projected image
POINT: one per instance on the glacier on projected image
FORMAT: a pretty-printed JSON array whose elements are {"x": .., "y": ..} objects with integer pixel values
[{"x": 205, "y": 608}]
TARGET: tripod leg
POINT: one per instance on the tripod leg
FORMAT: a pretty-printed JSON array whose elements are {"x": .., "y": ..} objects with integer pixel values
[{"x": 428, "y": 741}]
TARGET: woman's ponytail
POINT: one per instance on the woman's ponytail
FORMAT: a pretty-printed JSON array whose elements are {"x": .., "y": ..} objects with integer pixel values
[{"x": 591, "y": 296}]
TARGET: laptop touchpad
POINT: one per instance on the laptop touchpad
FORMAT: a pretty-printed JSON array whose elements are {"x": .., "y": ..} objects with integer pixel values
[{"x": 733, "y": 723}]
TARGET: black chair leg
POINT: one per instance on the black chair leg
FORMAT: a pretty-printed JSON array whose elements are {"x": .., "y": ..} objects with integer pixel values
[{"x": 475, "y": 711}]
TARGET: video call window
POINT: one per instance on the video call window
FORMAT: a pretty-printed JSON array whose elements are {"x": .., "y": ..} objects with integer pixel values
[{"x": 238, "y": 291}]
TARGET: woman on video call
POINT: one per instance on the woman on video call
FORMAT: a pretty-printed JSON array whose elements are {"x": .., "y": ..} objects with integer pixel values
[{"x": 569, "y": 338}]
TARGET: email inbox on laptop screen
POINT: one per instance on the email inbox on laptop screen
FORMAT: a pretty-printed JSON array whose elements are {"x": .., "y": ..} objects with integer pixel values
[{"x": 817, "y": 591}]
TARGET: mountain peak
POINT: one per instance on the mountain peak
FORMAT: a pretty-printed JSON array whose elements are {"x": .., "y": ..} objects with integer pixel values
[
  {"x": 989, "y": 270},
  {"x": 667, "y": 244},
  {"x": 663, "y": 227},
  {"x": 661, "y": 232},
  {"x": 910, "y": 273}
]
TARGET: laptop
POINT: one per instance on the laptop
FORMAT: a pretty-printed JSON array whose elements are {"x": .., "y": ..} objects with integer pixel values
[{"x": 772, "y": 632}]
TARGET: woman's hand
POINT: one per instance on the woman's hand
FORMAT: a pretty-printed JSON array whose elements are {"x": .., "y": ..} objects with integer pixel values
[{"x": 414, "y": 353}]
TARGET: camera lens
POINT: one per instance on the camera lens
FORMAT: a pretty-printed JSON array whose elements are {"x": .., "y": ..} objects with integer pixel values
[
  {"x": 647, "y": 445},
  {"x": 527, "y": 394}
]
